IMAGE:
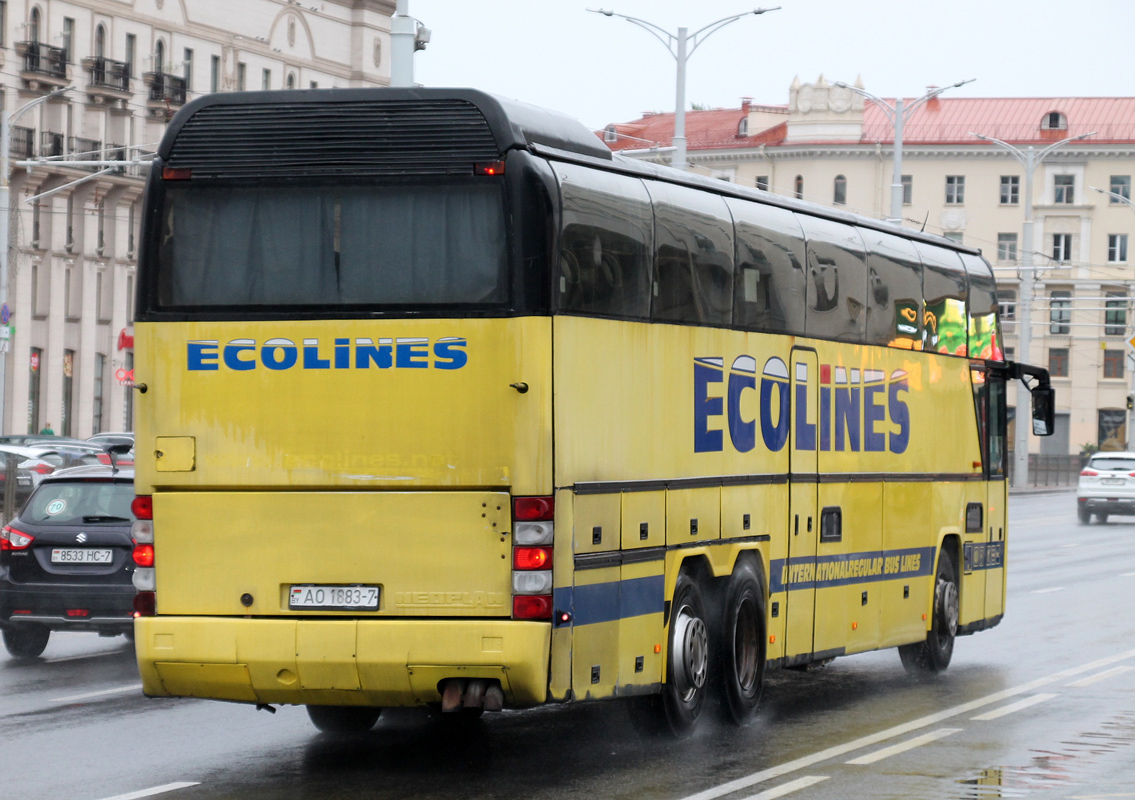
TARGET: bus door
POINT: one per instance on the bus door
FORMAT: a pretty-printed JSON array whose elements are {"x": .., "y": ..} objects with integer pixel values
[
  {"x": 803, "y": 515},
  {"x": 996, "y": 457}
]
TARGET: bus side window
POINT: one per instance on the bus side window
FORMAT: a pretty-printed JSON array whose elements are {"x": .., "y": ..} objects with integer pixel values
[
  {"x": 604, "y": 255},
  {"x": 693, "y": 268},
  {"x": 837, "y": 281},
  {"x": 983, "y": 327},
  {"x": 944, "y": 291},
  {"x": 768, "y": 286},
  {"x": 894, "y": 296}
]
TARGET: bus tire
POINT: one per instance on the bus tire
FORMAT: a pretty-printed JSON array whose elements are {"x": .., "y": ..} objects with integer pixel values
[
  {"x": 26, "y": 641},
  {"x": 343, "y": 719},
  {"x": 742, "y": 644},
  {"x": 933, "y": 654}
]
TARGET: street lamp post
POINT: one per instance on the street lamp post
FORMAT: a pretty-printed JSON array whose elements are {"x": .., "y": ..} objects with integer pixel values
[
  {"x": 1116, "y": 197},
  {"x": 897, "y": 114},
  {"x": 1029, "y": 159},
  {"x": 6, "y": 120},
  {"x": 681, "y": 46}
]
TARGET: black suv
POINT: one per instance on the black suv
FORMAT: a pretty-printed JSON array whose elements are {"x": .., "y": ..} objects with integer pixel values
[{"x": 66, "y": 561}]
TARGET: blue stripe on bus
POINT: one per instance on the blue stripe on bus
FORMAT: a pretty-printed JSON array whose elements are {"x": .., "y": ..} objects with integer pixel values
[
  {"x": 615, "y": 600},
  {"x": 820, "y": 572}
]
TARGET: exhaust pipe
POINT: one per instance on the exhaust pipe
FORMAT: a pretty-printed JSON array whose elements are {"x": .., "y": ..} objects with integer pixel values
[{"x": 459, "y": 693}]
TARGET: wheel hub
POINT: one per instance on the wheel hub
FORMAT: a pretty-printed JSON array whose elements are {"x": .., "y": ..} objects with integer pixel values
[
  {"x": 692, "y": 650},
  {"x": 948, "y": 607}
]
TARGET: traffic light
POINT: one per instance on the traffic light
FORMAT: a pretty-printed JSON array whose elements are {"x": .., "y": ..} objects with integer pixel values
[{"x": 1130, "y": 402}]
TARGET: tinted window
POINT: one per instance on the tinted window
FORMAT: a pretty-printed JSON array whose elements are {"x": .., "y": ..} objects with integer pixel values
[
  {"x": 768, "y": 287},
  {"x": 1125, "y": 464},
  {"x": 894, "y": 291},
  {"x": 944, "y": 284},
  {"x": 984, "y": 330},
  {"x": 837, "y": 280},
  {"x": 604, "y": 259},
  {"x": 68, "y": 503},
  {"x": 332, "y": 245},
  {"x": 693, "y": 262}
]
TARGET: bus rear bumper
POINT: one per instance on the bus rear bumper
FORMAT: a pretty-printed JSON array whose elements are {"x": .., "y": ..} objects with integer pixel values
[{"x": 339, "y": 662}]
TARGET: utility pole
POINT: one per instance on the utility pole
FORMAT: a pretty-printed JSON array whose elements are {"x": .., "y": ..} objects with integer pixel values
[
  {"x": 1029, "y": 159},
  {"x": 681, "y": 45},
  {"x": 897, "y": 114},
  {"x": 407, "y": 36}
]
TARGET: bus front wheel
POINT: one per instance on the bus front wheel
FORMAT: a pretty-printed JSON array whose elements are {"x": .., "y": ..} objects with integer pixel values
[
  {"x": 742, "y": 653},
  {"x": 933, "y": 654},
  {"x": 343, "y": 719}
]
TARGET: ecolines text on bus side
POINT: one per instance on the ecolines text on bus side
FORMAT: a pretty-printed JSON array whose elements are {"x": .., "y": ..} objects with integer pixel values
[
  {"x": 855, "y": 407},
  {"x": 241, "y": 355}
]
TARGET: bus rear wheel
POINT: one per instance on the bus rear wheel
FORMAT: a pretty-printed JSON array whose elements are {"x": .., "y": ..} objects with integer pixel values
[
  {"x": 933, "y": 655},
  {"x": 742, "y": 645},
  {"x": 343, "y": 719}
]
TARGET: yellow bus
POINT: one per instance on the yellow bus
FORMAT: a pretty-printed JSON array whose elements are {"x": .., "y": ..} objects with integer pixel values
[{"x": 443, "y": 404}]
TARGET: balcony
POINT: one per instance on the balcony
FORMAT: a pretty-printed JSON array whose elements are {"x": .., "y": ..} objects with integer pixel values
[
  {"x": 166, "y": 92},
  {"x": 85, "y": 149},
  {"x": 21, "y": 142},
  {"x": 50, "y": 144},
  {"x": 44, "y": 66},
  {"x": 107, "y": 80}
]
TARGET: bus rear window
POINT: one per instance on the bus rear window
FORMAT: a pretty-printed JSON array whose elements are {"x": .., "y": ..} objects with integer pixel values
[{"x": 309, "y": 246}]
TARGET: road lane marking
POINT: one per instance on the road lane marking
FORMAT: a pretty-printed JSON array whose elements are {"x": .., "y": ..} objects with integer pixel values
[
  {"x": 1128, "y": 575},
  {"x": 907, "y": 727},
  {"x": 134, "y": 687},
  {"x": 1102, "y": 676},
  {"x": 1014, "y": 707},
  {"x": 1049, "y": 589},
  {"x": 166, "y": 787},
  {"x": 789, "y": 788},
  {"x": 902, "y": 747}
]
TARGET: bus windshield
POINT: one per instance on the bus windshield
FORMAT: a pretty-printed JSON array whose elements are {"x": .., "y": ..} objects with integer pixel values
[{"x": 387, "y": 246}]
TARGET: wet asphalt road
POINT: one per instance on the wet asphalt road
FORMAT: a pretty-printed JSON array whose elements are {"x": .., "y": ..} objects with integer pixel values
[{"x": 1042, "y": 706}]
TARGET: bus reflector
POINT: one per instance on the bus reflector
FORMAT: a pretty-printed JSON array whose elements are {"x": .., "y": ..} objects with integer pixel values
[
  {"x": 489, "y": 168},
  {"x": 144, "y": 555},
  {"x": 145, "y": 605},
  {"x": 532, "y": 558},
  {"x": 176, "y": 174},
  {"x": 531, "y": 509},
  {"x": 143, "y": 506},
  {"x": 532, "y": 606}
]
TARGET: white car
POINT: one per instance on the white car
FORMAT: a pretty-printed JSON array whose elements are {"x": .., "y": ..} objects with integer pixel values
[{"x": 1107, "y": 486}]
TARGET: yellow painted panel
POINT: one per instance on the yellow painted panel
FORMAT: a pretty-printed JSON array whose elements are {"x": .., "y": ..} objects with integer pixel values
[
  {"x": 641, "y": 635},
  {"x": 907, "y": 523},
  {"x": 972, "y": 584},
  {"x": 563, "y": 575},
  {"x": 325, "y": 655},
  {"x": 693, "y": 515},
  {"x": 595, "y": 646},
  {"x": 596, "y": 518},
  {"x": 424, "y": 680},
  {"x": 175, "y": 453},
  {"x": 216, "y": 681},
  {"x": 644, "y": 519}
]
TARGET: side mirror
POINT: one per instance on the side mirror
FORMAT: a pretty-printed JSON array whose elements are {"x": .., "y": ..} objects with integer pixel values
[{"x": 1044, "y": 410}]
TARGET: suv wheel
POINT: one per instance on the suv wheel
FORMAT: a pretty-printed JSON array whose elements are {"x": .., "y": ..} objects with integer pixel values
[{"x": 26, "y": 641}]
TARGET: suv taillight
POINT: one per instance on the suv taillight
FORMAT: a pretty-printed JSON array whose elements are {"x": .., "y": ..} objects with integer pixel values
[
  {"x": 142, "y": 531},
  {"x": 533, "y": 534},
  {"x": 1088, "y": 473},
  {"x": 12, "y": 539}
]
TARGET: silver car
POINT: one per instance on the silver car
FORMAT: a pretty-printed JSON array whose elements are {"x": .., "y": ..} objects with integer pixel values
[{"x": 1107, "y": 486}]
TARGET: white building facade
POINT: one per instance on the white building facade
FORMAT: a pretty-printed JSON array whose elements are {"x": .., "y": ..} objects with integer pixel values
[{"x": 129, "y": 66}]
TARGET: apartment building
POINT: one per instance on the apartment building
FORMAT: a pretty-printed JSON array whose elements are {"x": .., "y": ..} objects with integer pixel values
[
  {"x": 830, "y": 145},
  {"x": 127, "y": 66}
]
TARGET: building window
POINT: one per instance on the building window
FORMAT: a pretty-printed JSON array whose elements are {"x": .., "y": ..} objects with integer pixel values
[
  {"x": 1063, "y": 189},
  {"x": 131, "y": 50},
  {"x": 291, "y": 80},
  {"x": 215, "y": 74},
  {"x": 1010, "y": 353},
  {"x": 36, "y": 216},
  {"x": 1113, "y": 363},
  {"x": 1006, "y": 247},
  {"x": 955, "y": 190},
  {"x": 799, "y": 188},
  {"x": 1060, "y": 312},
  {"x": 609, "y": 133},
  {"x": 314, "y": 85},
  {"x": 1007, "y": 304},
  {"x": 839, "y": 191},
  {"x": 1058, "y": 362},
  {"x": 1054, "y": 121},
  {"x": 762, "y": 182},
  {"x": 1120, "y": 185},
  {"x": 130, "y": 231},
  {"x": 35, "y": 367},
  {"x": 68, "y": 392},
  {"x": 187, "y": 62},
  {"x": 1115, "y": 314},
  {"x": 96, "y": 409},
  {"x": 266, "y": 79},
  {"x": 160, "y": 56},
  {"x": 954, "y": 236},
  {"x": 1010, "y": 190},
  {"x": 241, "y": 75},
  {"x": 69, "y": 245},
  {"x": 100, "y": 41},
  {"x": 68, "y": 39},
  {"x": 3, "y": 23},
  {"x": 743, "y": 127},
  {"x": 1117, "y": 248},
  {"x": 1062, "y": 247},
  {"x": 907, "y": 190}
]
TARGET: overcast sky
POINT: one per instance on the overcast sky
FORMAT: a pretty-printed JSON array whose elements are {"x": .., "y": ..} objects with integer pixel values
[{"x": 555, "y": 54}]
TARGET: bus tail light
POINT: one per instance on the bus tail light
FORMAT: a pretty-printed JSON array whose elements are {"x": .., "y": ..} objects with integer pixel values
[
  {"x": 12, "y": 539},
  {"x": 533, "y": 534},
  {"x": 143, "y": 506},
  {"x": 489, "y": 168},
  {"x": 142, "y": 532},
  {"x": 144, "y": 555}
]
